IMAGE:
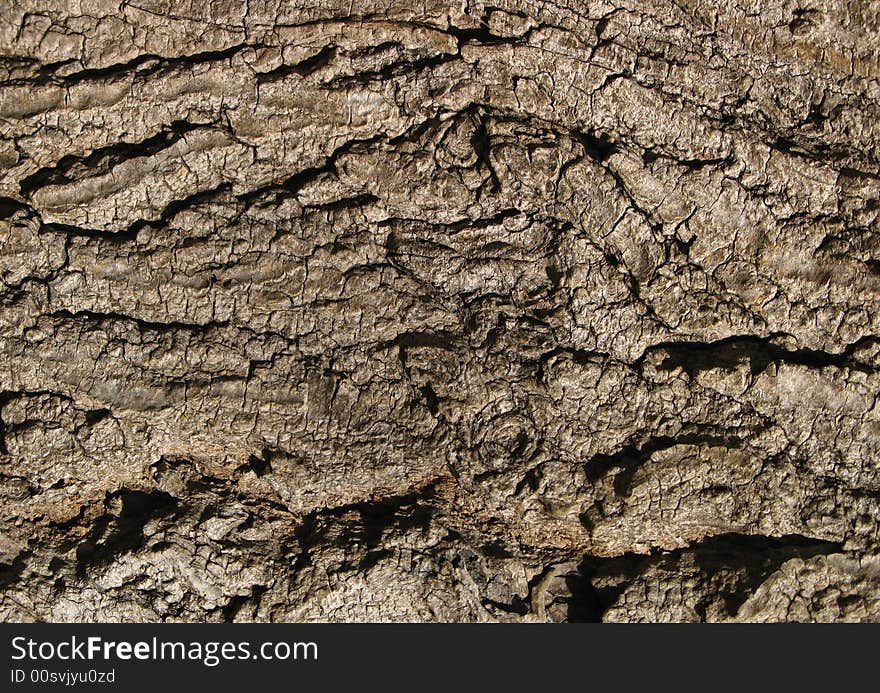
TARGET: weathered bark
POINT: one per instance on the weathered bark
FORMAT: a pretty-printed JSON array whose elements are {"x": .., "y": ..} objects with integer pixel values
[{"x": 439, "y": 311}]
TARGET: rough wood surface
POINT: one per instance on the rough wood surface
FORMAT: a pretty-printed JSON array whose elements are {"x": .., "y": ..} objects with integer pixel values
[{"x": 382, "y": 310}]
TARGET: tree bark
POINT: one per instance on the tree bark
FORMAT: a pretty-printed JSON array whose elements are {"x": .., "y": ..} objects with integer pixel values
[{"x": 441, "y": 311}]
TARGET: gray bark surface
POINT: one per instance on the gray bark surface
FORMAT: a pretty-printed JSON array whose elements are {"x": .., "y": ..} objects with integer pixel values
[{"x": 381, "y": 310}]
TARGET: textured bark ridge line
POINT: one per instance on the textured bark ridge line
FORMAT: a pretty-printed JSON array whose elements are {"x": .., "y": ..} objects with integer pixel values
[{"x": 514, "y": 311}]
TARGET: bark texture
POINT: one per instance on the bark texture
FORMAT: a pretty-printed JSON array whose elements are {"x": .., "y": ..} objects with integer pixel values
[{"x": 382, "y": 310}]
